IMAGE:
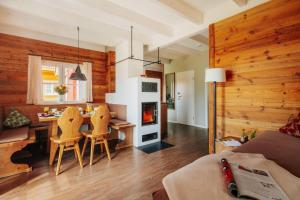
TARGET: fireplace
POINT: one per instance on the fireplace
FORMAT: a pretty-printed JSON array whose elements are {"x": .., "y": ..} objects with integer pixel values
[{"x": 149, "y": 113}]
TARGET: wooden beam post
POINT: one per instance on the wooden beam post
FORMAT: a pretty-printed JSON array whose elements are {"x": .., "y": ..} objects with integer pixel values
[{"x": 211, "y": 90}]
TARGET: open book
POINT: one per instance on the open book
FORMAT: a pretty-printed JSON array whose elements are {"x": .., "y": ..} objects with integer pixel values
[{"x": 242, "y": 182}]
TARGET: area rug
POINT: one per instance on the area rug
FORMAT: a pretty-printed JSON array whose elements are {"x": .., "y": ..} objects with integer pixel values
[{"x": 151, "y": 148}]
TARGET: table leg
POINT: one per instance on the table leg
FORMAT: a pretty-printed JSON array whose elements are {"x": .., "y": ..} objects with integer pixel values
[{"x": 52, "y": 147}]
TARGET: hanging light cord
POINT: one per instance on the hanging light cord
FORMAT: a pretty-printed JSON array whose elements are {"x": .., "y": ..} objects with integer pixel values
[{"x": 78, "y": 43}]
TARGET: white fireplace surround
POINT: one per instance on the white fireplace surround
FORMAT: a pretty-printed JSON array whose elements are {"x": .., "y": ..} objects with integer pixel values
[{"x": 129, "y": 92}]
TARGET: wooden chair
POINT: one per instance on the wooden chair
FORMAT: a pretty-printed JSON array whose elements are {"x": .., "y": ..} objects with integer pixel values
[
  {"x": 69, "y": 123},
  {"x": 100, "y": 120}
]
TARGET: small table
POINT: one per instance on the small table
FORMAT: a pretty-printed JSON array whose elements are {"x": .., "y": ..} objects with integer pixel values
[
  {"x": 220, "y": 146},
  {"x": 127, "y": 130},
  {"x": 53, "y": 126}
]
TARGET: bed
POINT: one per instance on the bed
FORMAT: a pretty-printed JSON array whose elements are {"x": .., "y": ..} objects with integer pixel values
[{"x": 277, "y": 152}]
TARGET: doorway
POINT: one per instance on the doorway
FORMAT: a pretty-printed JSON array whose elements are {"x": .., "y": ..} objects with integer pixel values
[{"x": 185, "y": 97}]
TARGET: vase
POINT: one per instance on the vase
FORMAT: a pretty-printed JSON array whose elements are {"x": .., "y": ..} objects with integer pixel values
[{"x": 61, "y": 98}]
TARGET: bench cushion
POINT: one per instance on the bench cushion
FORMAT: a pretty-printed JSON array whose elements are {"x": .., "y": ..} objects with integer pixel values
[
  {"x": 15, "y": 120},
  {"x": 13, "y": 135}
]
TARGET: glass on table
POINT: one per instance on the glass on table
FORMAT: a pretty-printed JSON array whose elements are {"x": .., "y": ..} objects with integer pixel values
[{"x": 46, "y": 110}]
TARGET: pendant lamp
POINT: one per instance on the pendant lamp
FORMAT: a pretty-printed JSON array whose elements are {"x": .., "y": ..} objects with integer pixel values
[{"x": 77, "y": 75}]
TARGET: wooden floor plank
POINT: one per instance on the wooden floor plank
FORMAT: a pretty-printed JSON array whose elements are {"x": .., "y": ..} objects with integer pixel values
[{"x": 131, "y": 174}]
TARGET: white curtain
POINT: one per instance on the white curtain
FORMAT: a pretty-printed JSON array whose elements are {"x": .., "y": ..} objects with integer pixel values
[
  {"x": 34, "y": 83},
  {"x": 87, "y": 70}
]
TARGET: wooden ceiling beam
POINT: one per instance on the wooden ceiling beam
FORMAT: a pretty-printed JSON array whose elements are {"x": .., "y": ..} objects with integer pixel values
[{"x": 187, "y": 11}]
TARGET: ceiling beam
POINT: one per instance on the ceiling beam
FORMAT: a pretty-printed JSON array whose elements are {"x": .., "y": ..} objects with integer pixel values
[
  {"x": 50, "y": 27},
  {"x": 200, "y": 38},
  {"x": 241, "y": 2},
  {"x": 130, "y": 15},
  {"x": 166, "y": 54},
  {"x": 182, "y": 49},
  {"x": 193, "y": 44},
  {"x": 13, "y": 13},
  {"x": 192, "y": 14}
]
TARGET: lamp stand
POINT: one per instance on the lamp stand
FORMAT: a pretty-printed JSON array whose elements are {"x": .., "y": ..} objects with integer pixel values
[{"x": 215, "y": 115}]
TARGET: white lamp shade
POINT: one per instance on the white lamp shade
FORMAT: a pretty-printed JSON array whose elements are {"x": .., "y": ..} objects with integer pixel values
[{"x": 215, "y": 75}]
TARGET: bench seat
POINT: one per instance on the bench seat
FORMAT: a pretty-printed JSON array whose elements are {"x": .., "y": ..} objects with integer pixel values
[
  {"x": 13, "y": 135},
  {"x": 11, "y": 141}
]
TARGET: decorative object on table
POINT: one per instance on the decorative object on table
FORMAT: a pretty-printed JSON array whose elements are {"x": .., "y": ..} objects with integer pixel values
[
  {"x": 248, "y": 135},
  {"x": 46, "y": 109},
  {"x": 89, "y": 108},
  {"x": 214, "y": 75},
  {"x": 252, "y": 134},
  {"x": 77, "y": 75},
  {"x": 15, "y": 120},
  {"x": 292, "y": 126},
  {"x": 244, "y": 137},
  {"x": 53, "y": 110},
  {"x": 80, "y": 110},
  {"x": 45, "y": 115}
]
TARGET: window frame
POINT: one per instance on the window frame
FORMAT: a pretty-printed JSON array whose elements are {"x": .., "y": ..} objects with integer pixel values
[{"x": 61, "y": 75}]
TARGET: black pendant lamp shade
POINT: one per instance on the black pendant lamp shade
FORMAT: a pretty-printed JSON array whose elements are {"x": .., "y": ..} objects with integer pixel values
[{"x": 77, "y": 75}]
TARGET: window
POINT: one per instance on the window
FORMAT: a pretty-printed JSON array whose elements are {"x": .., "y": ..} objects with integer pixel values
[{"x": 58, "y": 73}]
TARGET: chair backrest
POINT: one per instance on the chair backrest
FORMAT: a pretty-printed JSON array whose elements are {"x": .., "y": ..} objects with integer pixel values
[
  {"x": 69, "y": 123},
  {"x": 100, "y": 120}
]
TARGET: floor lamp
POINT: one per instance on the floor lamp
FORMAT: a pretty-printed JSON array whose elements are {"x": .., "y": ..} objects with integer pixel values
[{"x": 214, "y": 75}]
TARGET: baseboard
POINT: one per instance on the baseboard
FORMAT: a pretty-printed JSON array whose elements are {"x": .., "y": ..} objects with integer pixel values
[
  {"x": 196, "y": 125},
  {"x": 199, "y": 126}
]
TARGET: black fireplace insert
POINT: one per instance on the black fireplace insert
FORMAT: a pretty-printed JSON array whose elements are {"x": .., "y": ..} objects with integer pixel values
[{"x": 149, "y": 113}]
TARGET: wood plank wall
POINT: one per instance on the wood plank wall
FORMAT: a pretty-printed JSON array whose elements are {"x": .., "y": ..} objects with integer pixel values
[
  {"x": 260, "y": 49},
  {"x": 111, "y": 71},
  {"x": 14, "y": 53}
]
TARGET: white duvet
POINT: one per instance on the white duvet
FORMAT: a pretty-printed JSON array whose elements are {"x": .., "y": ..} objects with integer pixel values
[{"x": 203, "y": 178}]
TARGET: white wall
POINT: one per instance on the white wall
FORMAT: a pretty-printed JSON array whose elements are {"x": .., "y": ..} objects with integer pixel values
[{"x": 198, "y": 63}]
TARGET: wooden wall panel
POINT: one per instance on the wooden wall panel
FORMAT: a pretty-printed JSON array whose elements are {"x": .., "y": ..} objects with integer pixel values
[
  {"x": 111, "y": 71},
  {"x": 14, "y": 53},
  {"x": 260, "y": 50}
]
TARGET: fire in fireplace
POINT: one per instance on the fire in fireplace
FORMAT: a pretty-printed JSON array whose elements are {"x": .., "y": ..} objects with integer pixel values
[{"x": 149, "y": 113}]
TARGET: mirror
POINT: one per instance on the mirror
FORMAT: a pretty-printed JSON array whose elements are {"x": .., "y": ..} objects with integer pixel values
[{"x": 170, "y": 90}]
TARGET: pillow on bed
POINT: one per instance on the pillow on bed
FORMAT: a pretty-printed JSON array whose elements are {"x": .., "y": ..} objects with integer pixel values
[
  {"x": 15, "y": 120},
  {"x": 292, "y": 127}
]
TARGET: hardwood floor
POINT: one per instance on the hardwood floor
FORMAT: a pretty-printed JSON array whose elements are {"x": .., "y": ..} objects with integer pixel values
[{"x": 131, "y": 174}]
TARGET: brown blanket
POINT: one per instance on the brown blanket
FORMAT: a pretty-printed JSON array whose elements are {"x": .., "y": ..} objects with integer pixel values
[{"x": 281, "y": 148}]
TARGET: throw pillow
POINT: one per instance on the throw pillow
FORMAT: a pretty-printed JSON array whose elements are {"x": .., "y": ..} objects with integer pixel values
[
  {"x": 15, "y": 120},
  {"x": 292, "y": 127}
]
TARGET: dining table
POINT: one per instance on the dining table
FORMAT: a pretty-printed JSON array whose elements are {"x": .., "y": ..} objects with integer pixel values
[{"x": 124, "y": 128}]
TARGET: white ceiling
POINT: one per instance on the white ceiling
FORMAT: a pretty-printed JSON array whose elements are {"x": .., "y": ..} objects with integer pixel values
[{"x": 165, "y": 23}]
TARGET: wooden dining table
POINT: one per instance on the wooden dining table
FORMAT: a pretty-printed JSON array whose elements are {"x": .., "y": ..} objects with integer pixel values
[{"x": 126, "y": 128}]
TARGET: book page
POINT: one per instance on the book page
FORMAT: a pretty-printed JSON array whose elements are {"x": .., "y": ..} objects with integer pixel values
[{"x": 257, "y": 183}]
